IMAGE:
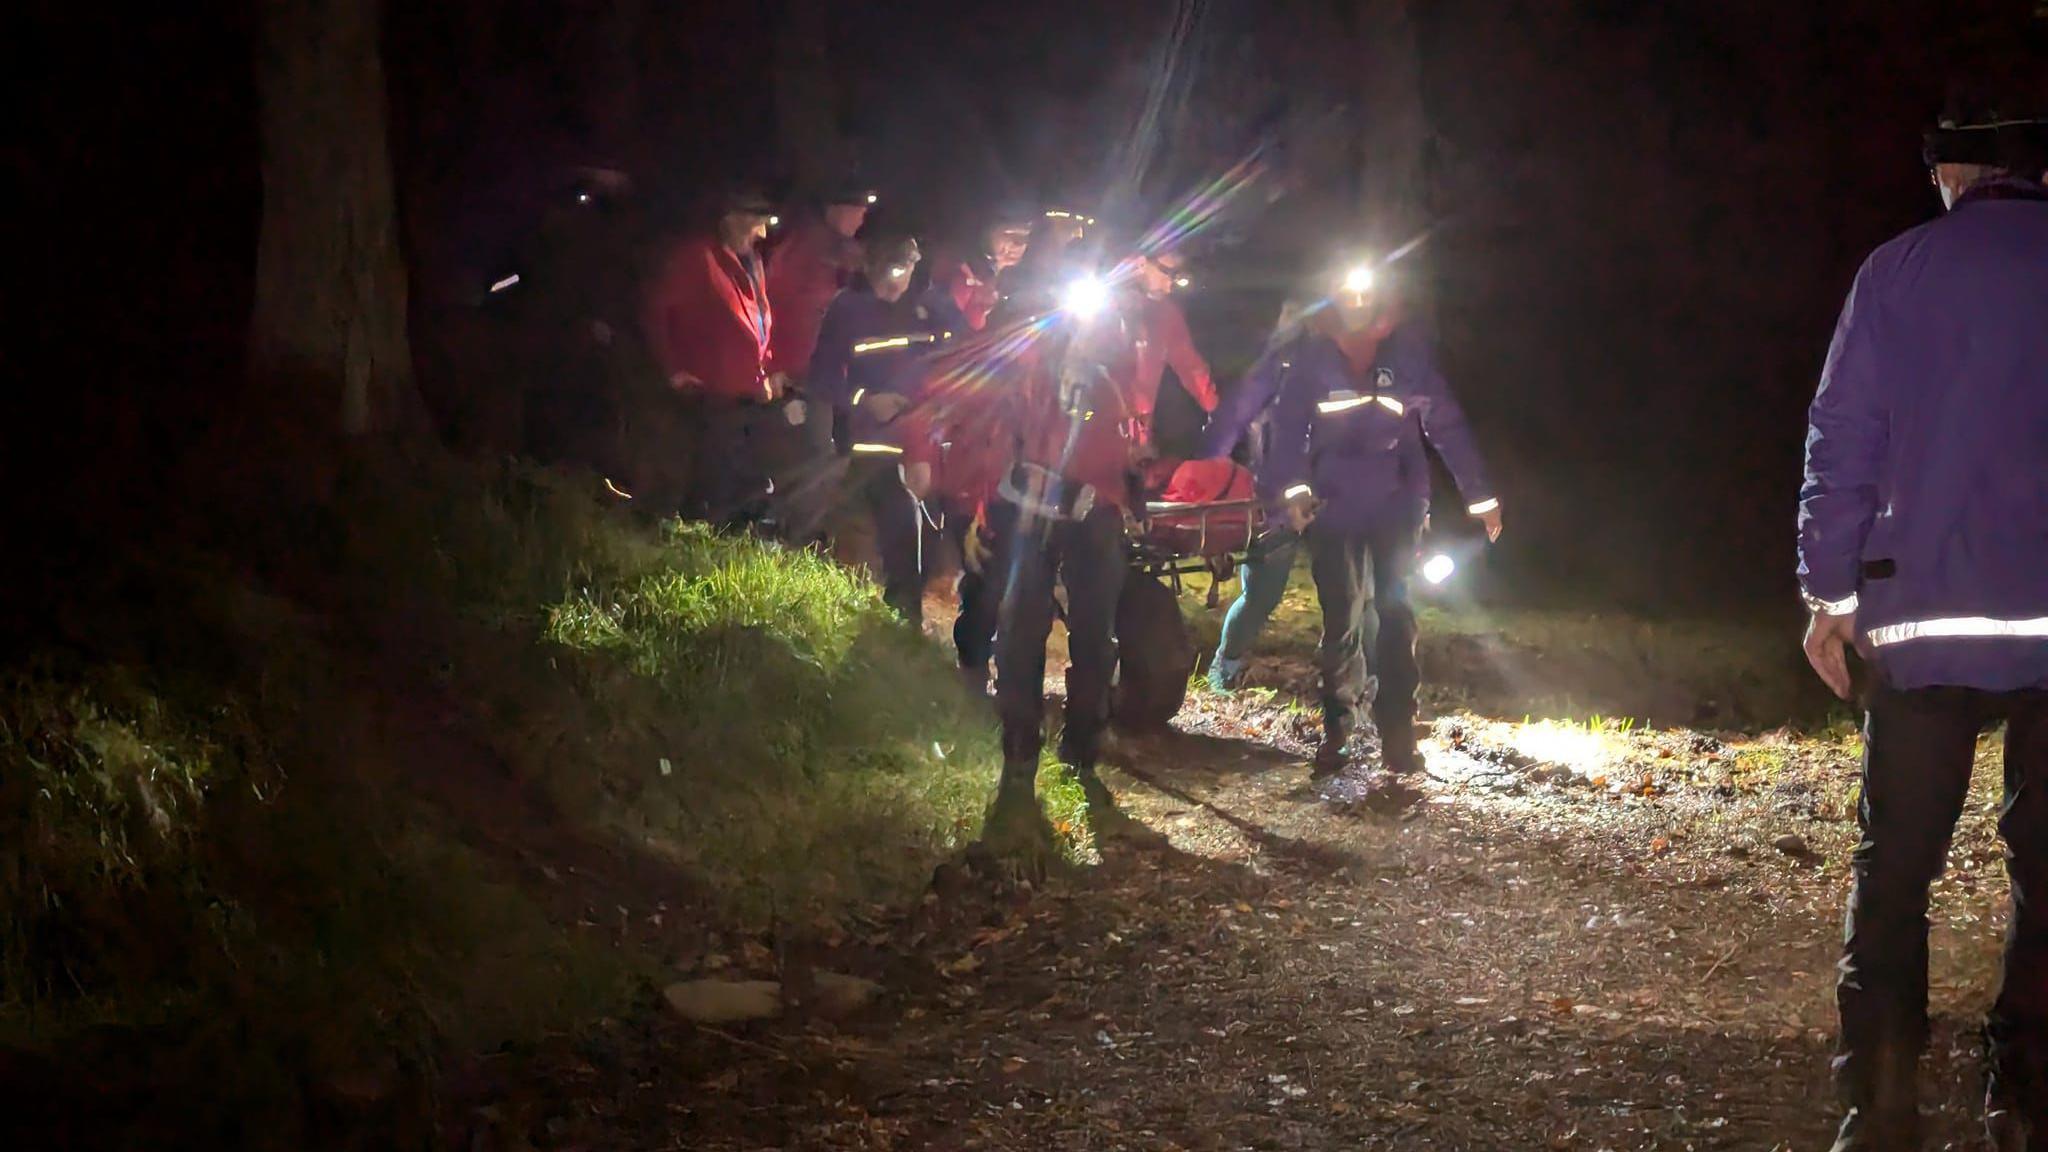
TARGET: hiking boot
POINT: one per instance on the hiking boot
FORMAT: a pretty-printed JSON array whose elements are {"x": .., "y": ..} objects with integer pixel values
[
  {"x": 1225, "y": 674},
  {"x": 1401, "y": 757},
  {"x": 1331, "y": 759}
]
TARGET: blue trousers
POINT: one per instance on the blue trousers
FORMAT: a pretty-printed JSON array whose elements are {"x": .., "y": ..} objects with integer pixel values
[{"x": 1264, "y": 576}]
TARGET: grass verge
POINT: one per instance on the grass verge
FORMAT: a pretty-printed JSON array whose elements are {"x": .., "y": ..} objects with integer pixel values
[{"x": 372, "y": 804}]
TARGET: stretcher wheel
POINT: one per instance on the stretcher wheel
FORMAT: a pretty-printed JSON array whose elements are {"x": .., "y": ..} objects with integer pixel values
[{"x": 1155, "y": 656}]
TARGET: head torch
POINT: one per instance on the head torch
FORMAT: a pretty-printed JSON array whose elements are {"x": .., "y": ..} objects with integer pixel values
[
  {"x": 1991, "y": 143},
  {"x": 1084, "y": 297}
]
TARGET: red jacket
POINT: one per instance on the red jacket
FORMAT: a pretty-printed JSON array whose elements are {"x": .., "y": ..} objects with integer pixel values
[
  {"x": 1086, "y": 431},
  {"x": 1163, "y": 341},
  {"x": 971, "y": 285},
  {"x": 962, "y": 412},
  {"x": 804, "y": 272},
  {"x": 706, "y": 315},
  {"x": 997, "y": 401}
]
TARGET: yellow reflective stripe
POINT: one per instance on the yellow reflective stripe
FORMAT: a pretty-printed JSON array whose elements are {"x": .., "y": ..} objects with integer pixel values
[
  {"x": 877, "y": 450},
  {"x": 1959, "y": 628},
  {"x": 1390, "y": 404},
  {"x": 1342, "y": 402},
  {"x": 1483, "y": 507},
  {"x": 888, "y": 342},
  {"x": 1297, "y": 491},
  {"x": 857, "y": 394},
  {"x": 1841, "y": 607}
]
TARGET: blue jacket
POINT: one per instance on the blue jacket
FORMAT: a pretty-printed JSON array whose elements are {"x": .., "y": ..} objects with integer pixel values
[
  {"x": 1356, "y": 439},
  {"x": 866, "y": 347},
  {"x": 1925, "y": 507}
]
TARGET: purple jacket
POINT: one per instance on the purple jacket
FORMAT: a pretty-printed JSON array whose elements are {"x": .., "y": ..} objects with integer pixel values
[
  {"x": 1356, "y": 439},
  {"x": 1925, "y": 507},
  {"x": 868, "y": 346}
]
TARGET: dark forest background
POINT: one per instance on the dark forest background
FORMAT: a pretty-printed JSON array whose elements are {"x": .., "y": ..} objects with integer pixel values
[{"x": 1647, "y": 213}]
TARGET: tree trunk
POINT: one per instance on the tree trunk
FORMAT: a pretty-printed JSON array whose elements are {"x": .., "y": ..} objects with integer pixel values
[
  {"x": 1395, "y": 131},
  {"x": 814, "y": 153},
  {"x": 327, "y": 339}
]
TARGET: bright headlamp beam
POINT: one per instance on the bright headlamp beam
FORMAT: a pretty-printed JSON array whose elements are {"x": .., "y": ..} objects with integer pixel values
[
  {"x": 1438, "y": 568},
  {"x": 1360, "y": 279},
  {"x": 1085, "y": 297}
]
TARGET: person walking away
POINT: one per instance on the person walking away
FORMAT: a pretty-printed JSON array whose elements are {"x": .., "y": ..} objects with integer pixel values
[
  {"x": 707, "y": 323},
  {"x": 1923, "y": 544}
]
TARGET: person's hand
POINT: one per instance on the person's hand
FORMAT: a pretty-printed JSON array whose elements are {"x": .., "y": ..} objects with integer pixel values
[
  {"x": 975, "y": 545},
  {"x": 1491, "y": 518},
  {"x": 796, "y": 412},
  {"x": 684, "y": 382},
  {"x": 884, "y": 406},
  {"x": 777, "y": 385},
  {"x": 917, "y": 479},
  {"x": 1828, "y": 639},
  {"x": 1301, "y": 511}
]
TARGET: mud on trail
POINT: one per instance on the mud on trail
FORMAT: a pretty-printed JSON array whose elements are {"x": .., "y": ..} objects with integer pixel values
[{"x": 1586, "y": 936}]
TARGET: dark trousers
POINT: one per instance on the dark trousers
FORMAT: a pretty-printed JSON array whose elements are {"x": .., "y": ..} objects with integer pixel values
[
  {"x": 1918, "y": 749},
  {"x": 899, "y": 528},
  {"x": 1368, "y": 627},
  {"x": 1033, "y": 555},
  {"x": 729, "y": 469},
  {"x": 981, "y": 594}
]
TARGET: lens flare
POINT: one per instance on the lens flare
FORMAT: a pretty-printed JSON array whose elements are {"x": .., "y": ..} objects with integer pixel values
[
  {"x": 1360, "y": 279},
  {"x": 1085, "y": 297}
]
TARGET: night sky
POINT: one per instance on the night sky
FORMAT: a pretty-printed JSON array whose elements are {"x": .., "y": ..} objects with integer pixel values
[{"x": 1649, "y": 212}]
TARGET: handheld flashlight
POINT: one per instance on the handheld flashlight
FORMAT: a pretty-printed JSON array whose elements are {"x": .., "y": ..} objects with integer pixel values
[{"x": 1438, "y": 568}]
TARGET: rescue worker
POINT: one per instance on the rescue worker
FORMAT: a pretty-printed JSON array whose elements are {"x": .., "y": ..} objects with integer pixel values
[
  {"x": 1058, "y": 519},
  {"x": 817, "y": 257},
  {"x": 866, "y": 370},
  {"x": 1161, "y": 340},
  {"x": 1344, "y": 471},
  {"x": 976, "y": 444},
  {"x": 1269, "y": 562},
  {"x": 707, "y": 323},
  {"x": 964, "y": 287},
  {"x": 1923, "y": 543},
  {"x": 806, "y": 270},
  {"x": 975, "y": 447},
  {"x": 1032, "y": 287}
]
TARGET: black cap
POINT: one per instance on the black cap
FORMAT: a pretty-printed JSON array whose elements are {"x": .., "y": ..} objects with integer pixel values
[
  {"x": 1021, "y": 215},
  {"x": 745, "y": 199},
  {"x": 892, "y": 250},
  {"x": 1996, "y": 130}
]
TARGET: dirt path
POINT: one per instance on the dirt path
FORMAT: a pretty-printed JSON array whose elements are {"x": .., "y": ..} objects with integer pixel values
[{"x": 1582, "y": 939}]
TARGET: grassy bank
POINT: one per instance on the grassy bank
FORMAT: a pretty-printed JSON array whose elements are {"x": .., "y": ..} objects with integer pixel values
[{"x": 477, "y": 759}]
